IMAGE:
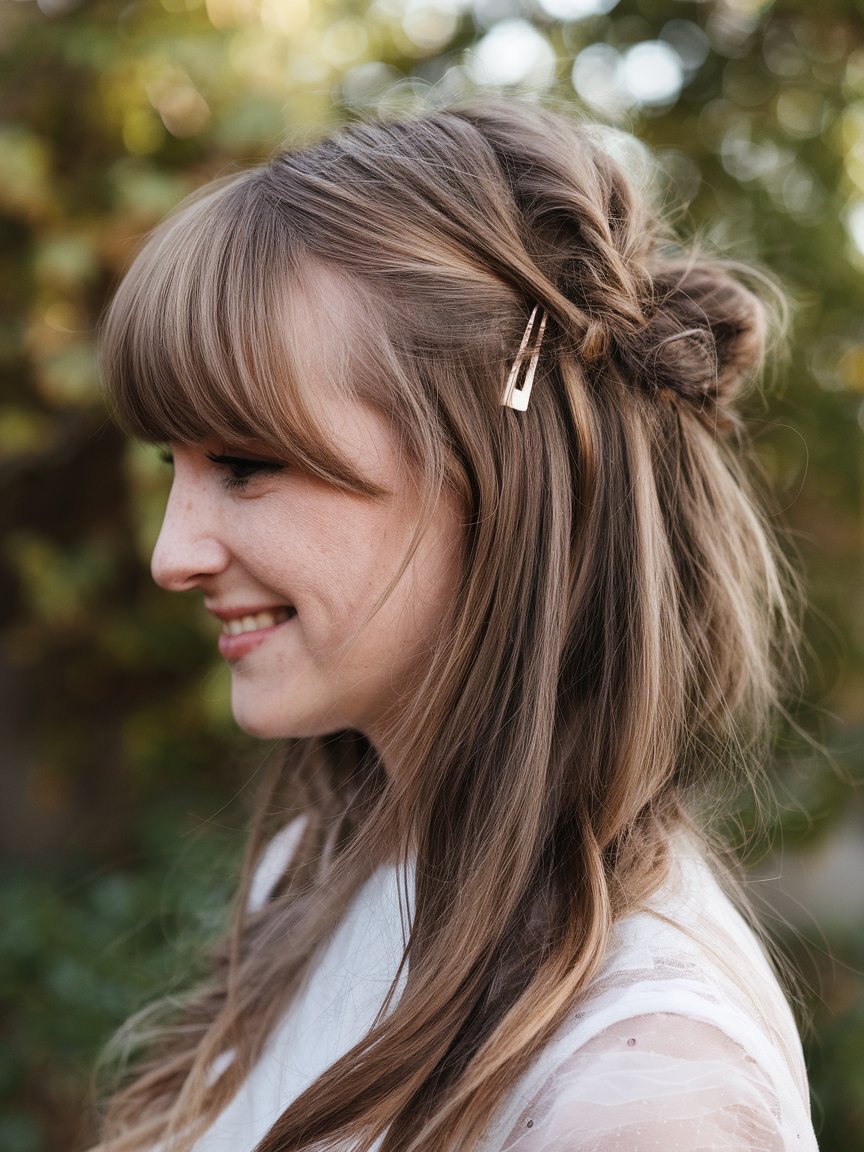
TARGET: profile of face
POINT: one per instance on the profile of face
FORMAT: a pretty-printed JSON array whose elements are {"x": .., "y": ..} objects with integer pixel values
[{"x": 293, "y": 566}]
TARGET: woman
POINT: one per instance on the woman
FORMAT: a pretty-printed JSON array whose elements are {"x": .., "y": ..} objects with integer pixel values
[{"x": 456, "y": 465}]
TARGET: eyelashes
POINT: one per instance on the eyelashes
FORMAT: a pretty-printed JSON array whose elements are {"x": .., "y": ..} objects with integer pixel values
[{"x": 239, "y": 470}]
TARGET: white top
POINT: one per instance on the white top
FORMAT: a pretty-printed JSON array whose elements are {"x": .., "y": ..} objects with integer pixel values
[{"x": 684, "y": 1041}]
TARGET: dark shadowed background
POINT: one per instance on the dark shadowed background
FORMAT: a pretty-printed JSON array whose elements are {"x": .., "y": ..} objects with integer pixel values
[{"x": 123, "y": 783}]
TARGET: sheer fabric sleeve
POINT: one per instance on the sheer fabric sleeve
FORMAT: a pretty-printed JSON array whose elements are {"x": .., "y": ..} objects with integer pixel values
[{"x": 658, "y": 1081}]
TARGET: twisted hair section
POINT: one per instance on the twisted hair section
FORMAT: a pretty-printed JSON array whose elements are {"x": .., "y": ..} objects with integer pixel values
[
  {"x": 673, "y": 325},
  {"x": 618, "y": 632}
]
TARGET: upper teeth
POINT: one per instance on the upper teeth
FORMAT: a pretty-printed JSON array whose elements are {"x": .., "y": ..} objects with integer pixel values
[{"x": 253, "y": 623}]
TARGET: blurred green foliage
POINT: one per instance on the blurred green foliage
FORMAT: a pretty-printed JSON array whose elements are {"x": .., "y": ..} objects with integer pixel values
[
  {"x": 119, "y": 752},
  {"x": 80, "y": 956}
]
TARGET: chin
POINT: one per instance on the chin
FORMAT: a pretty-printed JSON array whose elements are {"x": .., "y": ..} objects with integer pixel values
[
  {"x": 260, "y": 728},
  {"x": 264, "y": 724}
]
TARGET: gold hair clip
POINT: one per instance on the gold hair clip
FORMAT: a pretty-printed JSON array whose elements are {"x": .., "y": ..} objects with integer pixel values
[{"x": 518, "y": 397}]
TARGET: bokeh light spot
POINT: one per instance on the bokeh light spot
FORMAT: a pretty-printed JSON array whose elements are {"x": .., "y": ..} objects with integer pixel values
[
  {"x": 652, "y": 73},
  {"x": 576, "y": 9},
  {"x": 855, "y": 224},
  {"x": 286, "y": 17},
  {"x": 430, "y": 25},
  {"x": 229, "y": 13},
  {"x": 689, "y": 41},
  {"x": 801, "y": 112},
  {"x": 512, "y": 52},
  {"x": 598, "y": 80},
  {"x": 181, "y": 107}
]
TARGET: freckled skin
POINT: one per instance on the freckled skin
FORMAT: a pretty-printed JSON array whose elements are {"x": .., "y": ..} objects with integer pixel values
[{"x": 288, "y": 538}]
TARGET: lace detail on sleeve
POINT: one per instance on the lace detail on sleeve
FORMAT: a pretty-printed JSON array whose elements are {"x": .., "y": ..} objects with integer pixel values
[{"x": 658, "y": 1081}]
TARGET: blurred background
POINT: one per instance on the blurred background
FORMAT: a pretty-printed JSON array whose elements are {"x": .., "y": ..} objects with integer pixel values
[{"x": 123, "y": 783}]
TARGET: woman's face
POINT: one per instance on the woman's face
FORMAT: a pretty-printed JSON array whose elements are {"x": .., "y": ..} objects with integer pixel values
[{"x": 291, "y": 566}]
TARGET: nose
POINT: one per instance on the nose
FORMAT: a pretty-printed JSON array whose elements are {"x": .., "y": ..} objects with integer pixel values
[{"x": 188, "y": 551}]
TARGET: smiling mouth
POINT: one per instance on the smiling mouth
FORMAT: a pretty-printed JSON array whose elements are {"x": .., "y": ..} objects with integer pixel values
[{"x": 254, "y": 623}]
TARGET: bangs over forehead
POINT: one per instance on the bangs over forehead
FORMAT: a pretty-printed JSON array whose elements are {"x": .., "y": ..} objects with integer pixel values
[{"x": 212, "y": 334}]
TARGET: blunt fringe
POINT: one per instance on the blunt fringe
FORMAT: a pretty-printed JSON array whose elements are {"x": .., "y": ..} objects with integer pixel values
[{"x": 622, "y": 628}]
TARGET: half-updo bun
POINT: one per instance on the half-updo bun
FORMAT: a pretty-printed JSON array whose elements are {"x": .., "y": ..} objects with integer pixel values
[
  {"x": 703, "y": 337},
  {"x": 680, "y": 329}
]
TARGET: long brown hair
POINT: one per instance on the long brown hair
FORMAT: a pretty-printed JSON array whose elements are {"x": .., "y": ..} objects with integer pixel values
[{"x": 618, "y": 631}]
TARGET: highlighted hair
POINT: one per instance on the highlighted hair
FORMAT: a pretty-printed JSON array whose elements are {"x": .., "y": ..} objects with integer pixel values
[{"x": 622, "y": 622}]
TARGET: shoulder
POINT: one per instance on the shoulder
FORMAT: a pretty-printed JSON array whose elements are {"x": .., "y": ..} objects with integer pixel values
[
  {"x": 684, "y": 1041},
  {"x": 659, "y": 1080}
]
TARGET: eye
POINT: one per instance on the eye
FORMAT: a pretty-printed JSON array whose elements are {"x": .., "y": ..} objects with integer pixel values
[{"x": 241, "y": 469}]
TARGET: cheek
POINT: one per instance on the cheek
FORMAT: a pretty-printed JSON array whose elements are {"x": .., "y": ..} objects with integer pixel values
[
  {"x": 336, "y": 556},
  {"x": 423, "y": 601},
  {"x": 359, "y": 552},
  {"x": 438, "y": 575},
  {"x": 333, "y": 558}
]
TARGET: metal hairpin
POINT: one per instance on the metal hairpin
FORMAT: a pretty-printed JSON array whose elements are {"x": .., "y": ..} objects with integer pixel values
[{"x": 514, "y": 397}]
